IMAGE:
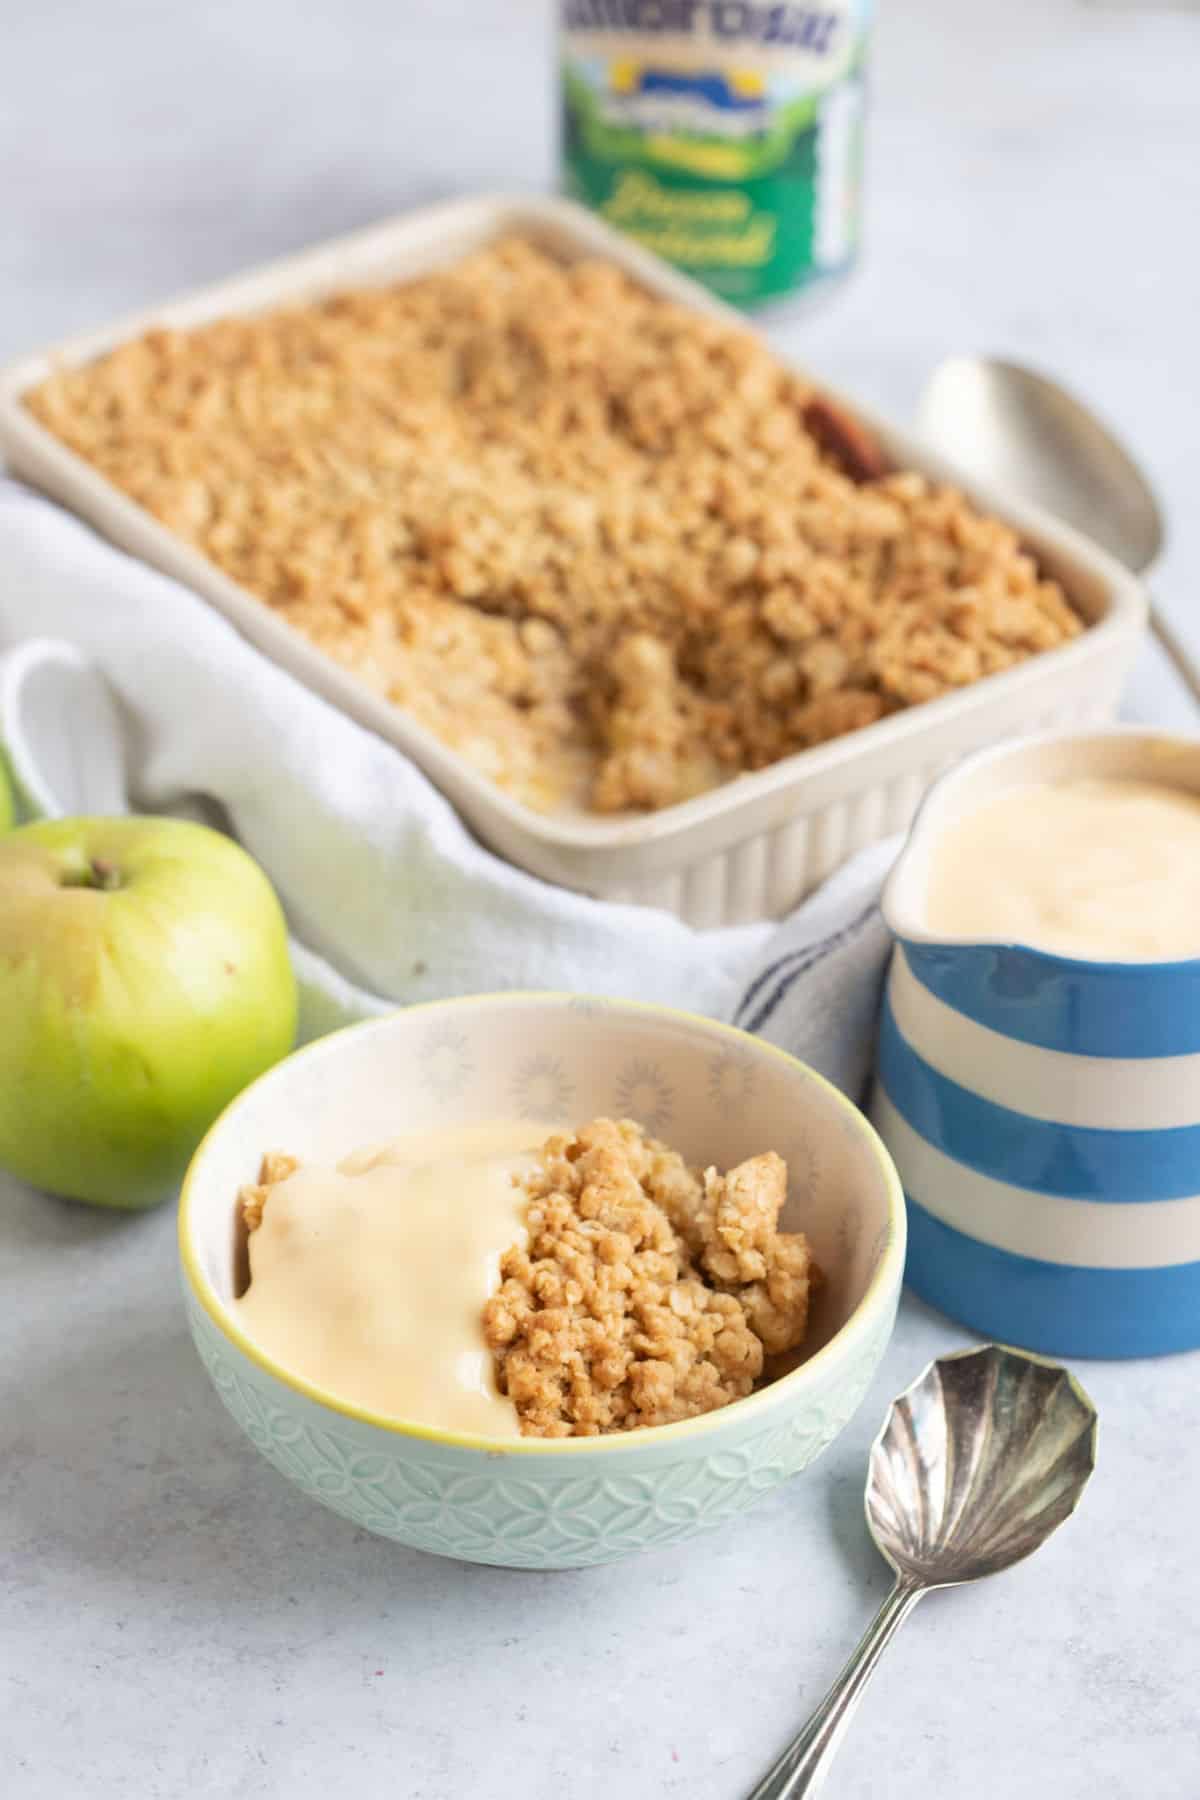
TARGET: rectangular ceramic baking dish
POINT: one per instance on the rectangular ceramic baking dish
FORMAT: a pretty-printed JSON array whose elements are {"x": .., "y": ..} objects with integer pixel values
[{"x": 747, "y": 850}]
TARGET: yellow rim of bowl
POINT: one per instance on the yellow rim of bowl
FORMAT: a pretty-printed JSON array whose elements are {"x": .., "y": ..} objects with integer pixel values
[{"x": 890, "y": 1265}]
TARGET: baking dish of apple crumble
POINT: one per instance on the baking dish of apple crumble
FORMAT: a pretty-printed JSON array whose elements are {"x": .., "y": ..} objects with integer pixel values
[{"x": 638, "y": 596}]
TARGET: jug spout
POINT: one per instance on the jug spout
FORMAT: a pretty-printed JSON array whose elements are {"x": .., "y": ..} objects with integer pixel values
[{"x": 991, "y": 983}]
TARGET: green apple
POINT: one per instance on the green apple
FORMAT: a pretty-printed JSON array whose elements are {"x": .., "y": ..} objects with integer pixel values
[{"x": 144, "y": 980}]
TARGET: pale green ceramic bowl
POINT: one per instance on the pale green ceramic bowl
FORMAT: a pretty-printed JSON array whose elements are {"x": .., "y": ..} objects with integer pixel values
[{"x": 714, "y": 1093}]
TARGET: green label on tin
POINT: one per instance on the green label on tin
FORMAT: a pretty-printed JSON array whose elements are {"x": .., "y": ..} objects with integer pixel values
[{"x": 725, "y": 135}]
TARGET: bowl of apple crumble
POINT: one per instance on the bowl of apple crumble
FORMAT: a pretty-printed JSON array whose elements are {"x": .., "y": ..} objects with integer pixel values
[{"x": 541, "y": 1280}]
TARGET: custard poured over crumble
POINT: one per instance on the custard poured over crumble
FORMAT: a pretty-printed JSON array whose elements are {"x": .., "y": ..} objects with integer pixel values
[{"x": 647, "y": 1291}]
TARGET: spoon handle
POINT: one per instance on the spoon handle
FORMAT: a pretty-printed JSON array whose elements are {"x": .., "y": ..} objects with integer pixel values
[
  {"x": 802, "y": 1768},
  {"x": 1180, "y": 655}
]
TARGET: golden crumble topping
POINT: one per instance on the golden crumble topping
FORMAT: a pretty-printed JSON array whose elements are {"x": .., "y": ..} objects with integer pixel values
[
  {"x": 275, "y": 1166},
  {"x": 648, "y": 1291},
  {"x": 609, "y": 550}
]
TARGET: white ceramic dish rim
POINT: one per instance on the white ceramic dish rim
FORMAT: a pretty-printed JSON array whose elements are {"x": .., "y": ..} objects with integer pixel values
[
  {"x": 887, "y": 1275},
  {"x": 899, "y": 914},
  {"x": 251, "y": 291}
]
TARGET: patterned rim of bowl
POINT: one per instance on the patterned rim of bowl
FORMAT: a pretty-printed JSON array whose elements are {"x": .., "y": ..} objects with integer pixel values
[{"x": 887, "y": 1274}]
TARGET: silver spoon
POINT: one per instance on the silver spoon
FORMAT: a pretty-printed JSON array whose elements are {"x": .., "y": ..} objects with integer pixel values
[
  {"x": 1021, "y": 431},
  {"x": 977, "y": 1463}
]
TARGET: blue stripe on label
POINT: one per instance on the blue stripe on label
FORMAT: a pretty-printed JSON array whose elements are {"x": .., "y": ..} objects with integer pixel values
[
  {"x": 1086, "y": 1009},
  {"x": 1072, "y": 1161},
  {"x": 1052, "y": 1307}
]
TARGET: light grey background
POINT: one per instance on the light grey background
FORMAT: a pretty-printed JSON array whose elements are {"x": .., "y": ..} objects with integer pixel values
[{"x": 174, "y": 1619}]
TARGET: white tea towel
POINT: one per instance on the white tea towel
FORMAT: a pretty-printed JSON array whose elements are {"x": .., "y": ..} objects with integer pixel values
[{"x": 389, "y": 898}]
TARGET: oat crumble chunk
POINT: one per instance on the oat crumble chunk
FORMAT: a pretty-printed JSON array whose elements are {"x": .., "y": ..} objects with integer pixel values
[
  {"x": 275, "y": 1166},
  {"x": 648, "y": 1291},
  {"x": 609, "y": 550}
]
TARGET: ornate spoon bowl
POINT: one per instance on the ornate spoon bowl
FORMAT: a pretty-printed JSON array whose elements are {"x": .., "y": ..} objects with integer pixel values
[{"x": 978, "y": 1462}]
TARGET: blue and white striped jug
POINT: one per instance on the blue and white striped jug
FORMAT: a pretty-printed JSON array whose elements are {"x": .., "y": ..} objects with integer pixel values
[{"x": 1044, "y": 1110}]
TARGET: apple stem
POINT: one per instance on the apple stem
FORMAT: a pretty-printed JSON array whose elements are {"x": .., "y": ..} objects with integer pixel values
[
  {"x": 98, "y": 874},
  {"x": 106, "y": 875}
]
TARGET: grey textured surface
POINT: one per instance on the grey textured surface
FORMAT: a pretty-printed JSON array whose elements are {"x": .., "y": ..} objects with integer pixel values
[{"x": 174, "y": 1619}]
